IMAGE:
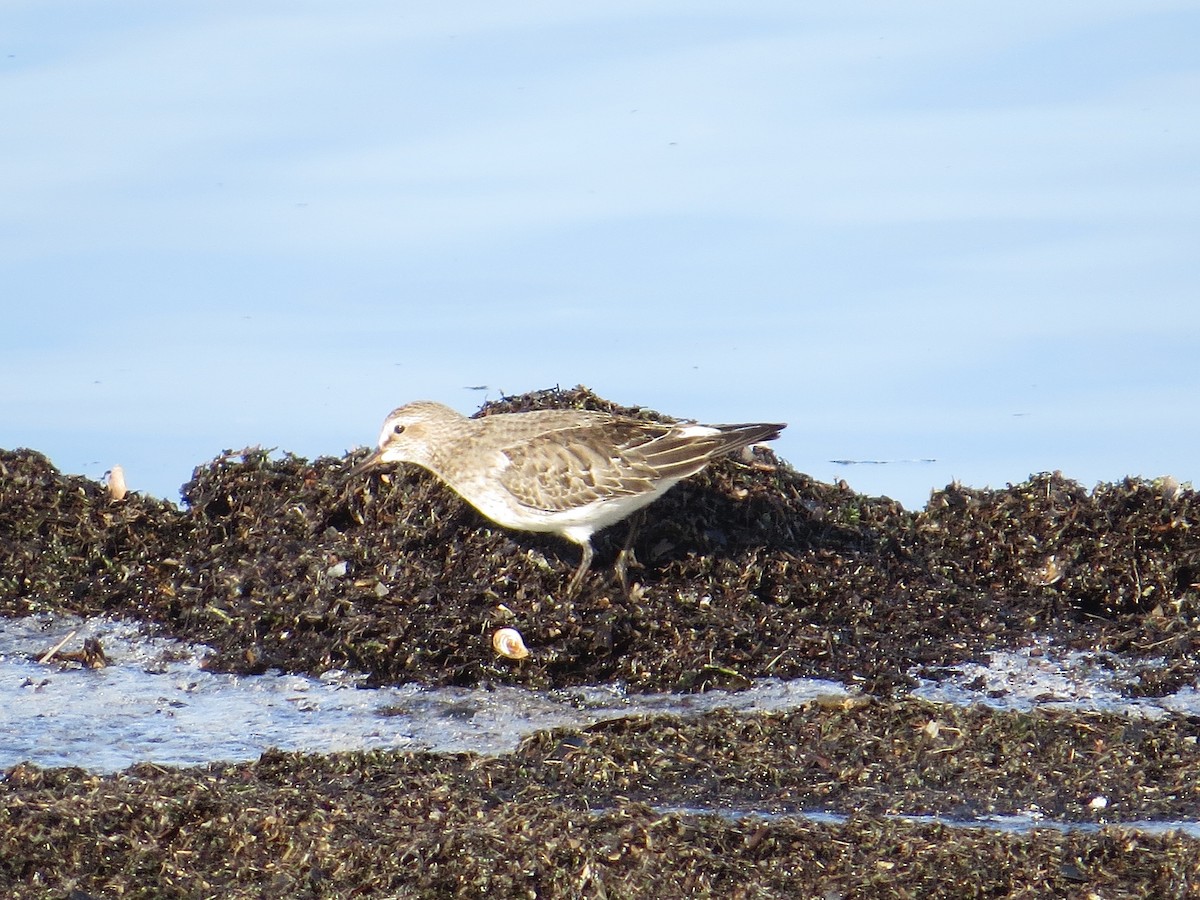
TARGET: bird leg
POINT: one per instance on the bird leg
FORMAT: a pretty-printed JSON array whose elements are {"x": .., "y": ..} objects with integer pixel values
[
  {"x": 626, "y": 557},
  {"x": 584, "y": 565}
]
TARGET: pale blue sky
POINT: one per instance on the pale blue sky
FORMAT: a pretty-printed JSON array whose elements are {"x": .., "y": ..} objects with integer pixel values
[{"x": 911, "y": 230}]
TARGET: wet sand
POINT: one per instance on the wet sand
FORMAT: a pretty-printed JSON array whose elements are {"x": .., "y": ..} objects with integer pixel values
[{"x": 748, "y": 570}]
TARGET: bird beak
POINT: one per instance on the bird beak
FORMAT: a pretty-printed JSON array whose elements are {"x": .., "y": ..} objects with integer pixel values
[{"x": 369, "y": 463}]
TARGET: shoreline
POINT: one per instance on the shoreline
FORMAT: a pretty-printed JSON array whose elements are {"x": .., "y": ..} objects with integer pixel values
[{"x": 747, "y": 572}]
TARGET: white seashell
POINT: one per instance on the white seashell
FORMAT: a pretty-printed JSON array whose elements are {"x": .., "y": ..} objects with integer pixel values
[
  {"x": 116, "y": 483},
  {"x": 508, "y": 642}
]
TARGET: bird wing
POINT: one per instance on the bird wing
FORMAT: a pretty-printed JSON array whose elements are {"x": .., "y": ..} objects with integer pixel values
[
  {"x": 566, "y": 469},
  {"x": 572, "y": 467}
]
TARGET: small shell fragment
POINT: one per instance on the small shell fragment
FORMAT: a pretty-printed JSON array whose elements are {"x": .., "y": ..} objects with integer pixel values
[
  {"x": 508, "y": 642},
  {"x": 116, "y": 483}
]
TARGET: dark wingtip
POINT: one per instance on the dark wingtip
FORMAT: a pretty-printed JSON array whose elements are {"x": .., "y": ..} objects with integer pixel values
[{"x": 761, "y": 431}]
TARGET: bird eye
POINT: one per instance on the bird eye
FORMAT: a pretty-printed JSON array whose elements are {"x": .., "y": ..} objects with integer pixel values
[{"x": 397, "y": 429}]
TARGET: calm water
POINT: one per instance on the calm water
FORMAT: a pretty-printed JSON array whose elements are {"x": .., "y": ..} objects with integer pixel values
[
  {"x": 159, "y": 705},
  {"x": 915, "y": 232}
]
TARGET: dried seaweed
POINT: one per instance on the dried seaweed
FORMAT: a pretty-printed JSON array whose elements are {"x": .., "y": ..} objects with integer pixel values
[
  {"x": 602, "y": 813},
  {"x": 746, "y": 571}
]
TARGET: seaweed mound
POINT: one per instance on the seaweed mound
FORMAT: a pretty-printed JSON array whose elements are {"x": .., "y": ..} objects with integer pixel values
[{"x": 747, "y": 570}]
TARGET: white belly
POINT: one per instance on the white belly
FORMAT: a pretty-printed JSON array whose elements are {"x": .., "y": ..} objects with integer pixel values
[{"x": 578, "y": 524}]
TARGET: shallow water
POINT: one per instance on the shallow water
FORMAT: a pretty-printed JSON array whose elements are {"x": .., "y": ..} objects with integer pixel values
[
  {"x": 1043, "y": 675},
  {"x": 1014, "y": 824},
  {"x": 154, "y": 703}
]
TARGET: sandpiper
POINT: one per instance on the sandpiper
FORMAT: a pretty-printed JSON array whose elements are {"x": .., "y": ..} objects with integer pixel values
[{"x": 568, "y": 472}]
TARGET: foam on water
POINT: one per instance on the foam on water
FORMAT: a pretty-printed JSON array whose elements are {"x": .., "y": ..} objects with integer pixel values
[
  {"x": 1013, "y": 824},
  {"x": 155, "y": 703},
  {"x": 1046, "y": 676}
]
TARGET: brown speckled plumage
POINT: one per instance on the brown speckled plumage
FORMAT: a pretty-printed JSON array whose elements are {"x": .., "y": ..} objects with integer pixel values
[{"x": 567, "y": 472}]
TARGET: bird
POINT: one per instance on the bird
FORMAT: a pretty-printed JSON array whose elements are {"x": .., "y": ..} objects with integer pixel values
[{"x": 566, "y": 472}]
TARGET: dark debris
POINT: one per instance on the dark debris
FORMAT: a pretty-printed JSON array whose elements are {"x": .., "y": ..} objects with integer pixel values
[
  {"x": 746, "y": 571},
  {"x": 603, "y": 813}
]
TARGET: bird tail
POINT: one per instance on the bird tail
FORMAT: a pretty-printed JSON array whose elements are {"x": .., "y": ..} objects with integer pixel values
[
  {"x": 738, "y": 436},
  {"x": 685, "y": 450}
]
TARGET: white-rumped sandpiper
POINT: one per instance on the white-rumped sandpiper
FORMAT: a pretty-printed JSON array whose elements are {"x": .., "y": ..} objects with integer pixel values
[{"x": 568, "y": 472}]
